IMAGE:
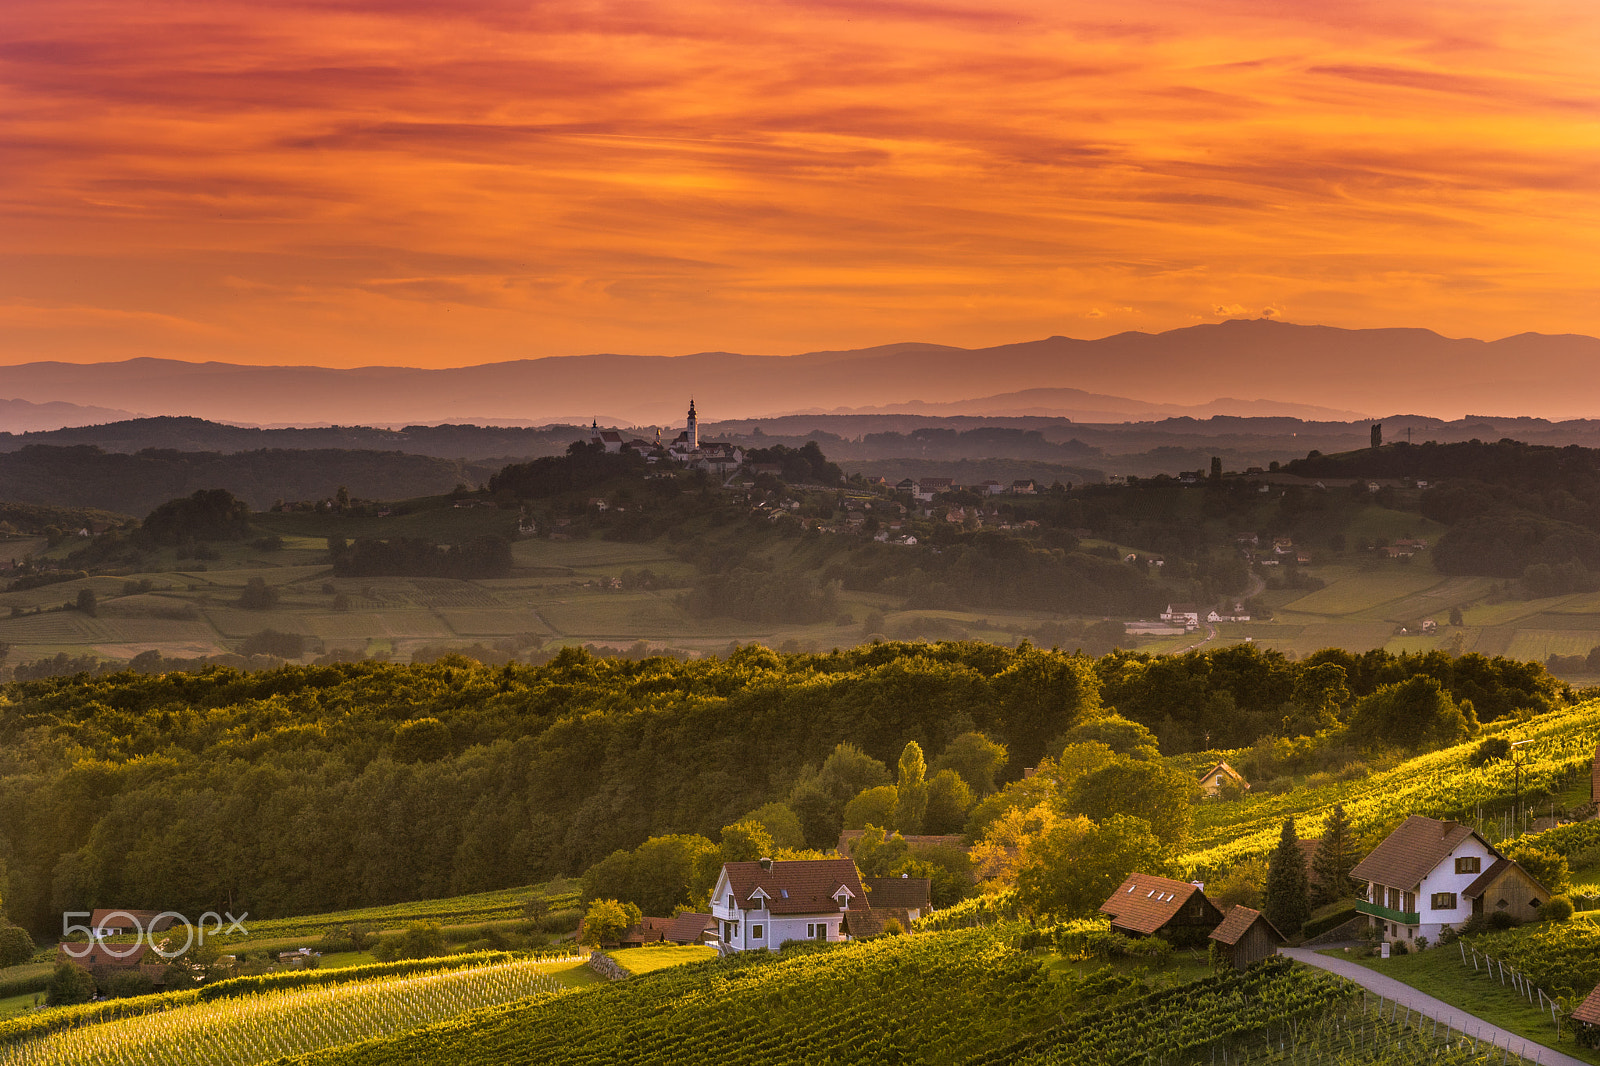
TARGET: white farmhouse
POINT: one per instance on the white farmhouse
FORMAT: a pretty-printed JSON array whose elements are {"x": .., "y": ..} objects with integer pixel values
[
  {"x": 1428, "y": 874},
  {"x": 759, "y": 905}
]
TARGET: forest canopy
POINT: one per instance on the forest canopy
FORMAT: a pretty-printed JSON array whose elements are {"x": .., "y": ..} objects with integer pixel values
[{"x": 316, "y": 788}]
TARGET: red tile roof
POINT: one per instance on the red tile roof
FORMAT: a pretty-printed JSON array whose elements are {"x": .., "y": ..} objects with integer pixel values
[
  {"x": 1145, "y": 902},
  {"x": 906, "y": 893},
  {"x": 1238, "y": 922},
  {"x": 690, "y": 928},
  {"x": 1588, "y": 1011},
  {"x": 797, "y": 886},
  {"x": 1412, "y": 851}
]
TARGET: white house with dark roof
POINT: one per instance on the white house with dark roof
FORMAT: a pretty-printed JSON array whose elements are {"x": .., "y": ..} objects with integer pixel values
[
  {"x": 1428, "y": 874},
  {"x": 760, "y": 905}
]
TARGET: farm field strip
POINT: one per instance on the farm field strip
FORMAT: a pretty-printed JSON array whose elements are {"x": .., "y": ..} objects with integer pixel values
[{"x": 260, "y": 1028}]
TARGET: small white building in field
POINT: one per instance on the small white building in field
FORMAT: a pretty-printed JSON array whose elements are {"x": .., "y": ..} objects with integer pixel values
[{"x": 760, "y": 905}]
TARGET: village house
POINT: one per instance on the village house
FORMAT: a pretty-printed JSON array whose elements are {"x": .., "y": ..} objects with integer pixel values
[
  {"x": 1213, "y": 780},
  {"x": 1184, "y": 614},
  {"x": 1215, "y": 615},
  {"x": 1429, "y": 874},
  {"x": 1245, "y": 937},
  {"x": 929, "y": 487},
  {"x": 907, "y": 898},
  {"x": 1023, "y": 487},
  {"x": 108, "y": 921},
  {"x": 1147, "y": 905},
  {"x": 760, "y": 905}
]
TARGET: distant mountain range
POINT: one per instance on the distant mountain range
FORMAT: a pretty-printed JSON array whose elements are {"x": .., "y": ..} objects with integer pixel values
[
  {"x": 1339, "y": 371},
  {"x": 20, "y": 416}
]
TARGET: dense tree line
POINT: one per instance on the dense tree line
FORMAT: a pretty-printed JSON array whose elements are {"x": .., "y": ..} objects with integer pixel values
[
  {"x": 84, "y": 476},
  {"x": 585, "y": 466},
  {"x": 805, "y": 465},
  {"x": 1511, "y": 506},
  {"x": 315, "y": 788}
]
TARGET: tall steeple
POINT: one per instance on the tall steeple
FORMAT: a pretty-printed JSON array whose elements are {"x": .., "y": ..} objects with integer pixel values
[{"x": 693, "y": 430}]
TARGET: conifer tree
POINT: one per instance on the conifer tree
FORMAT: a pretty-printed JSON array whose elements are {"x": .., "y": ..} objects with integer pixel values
[
  {"x": 1287, "y": 904},
  {"x": 1335, "y": 855}
]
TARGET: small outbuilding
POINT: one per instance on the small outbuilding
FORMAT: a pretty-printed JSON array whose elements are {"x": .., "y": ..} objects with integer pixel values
[
  {"x": 1218, "y": 776},
  {"x": 1245, "y": 937},
  {"x": 1586, "y": 1019}
]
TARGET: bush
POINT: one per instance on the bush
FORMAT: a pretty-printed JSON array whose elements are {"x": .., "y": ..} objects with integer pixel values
[
  {"x": 71, "y": 984},
  {"x": 129, "y": 983},
  {"x": 1500, "y": 921},
  {"x": 1318, "y": 926},
  {"x": 1422, "y": 943},
  {"x": 1398, "y": 947},
  {"x": 1559, "y": 909},
  {"x": 16, "y": 946},
  {"x": 420, "y": 940}
]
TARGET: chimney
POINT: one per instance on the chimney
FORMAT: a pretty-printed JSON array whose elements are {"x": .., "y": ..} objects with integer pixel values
[
  {"x": 1445, "y": 827},
  {"x": 766, "y": 863}
]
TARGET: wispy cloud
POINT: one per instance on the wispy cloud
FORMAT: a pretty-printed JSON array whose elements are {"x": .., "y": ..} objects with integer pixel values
[{"x": 381, "y": 181}]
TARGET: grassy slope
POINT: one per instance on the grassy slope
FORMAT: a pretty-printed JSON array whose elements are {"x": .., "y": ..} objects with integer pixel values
[
  {"x": 1439, "y": 783},
  {"x": 1440, "y": 973},
  {"x": 660, "y": 956}
]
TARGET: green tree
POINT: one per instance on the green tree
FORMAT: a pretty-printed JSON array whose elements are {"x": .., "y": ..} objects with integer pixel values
[
  {"x": 949, "y": 800},
  {"x": 1163, "y": 797},
  {"x": 1320, "y": 690},
  {"x": 820, "y": 818},
  {"x": 422, "y": 740},
  {"x": 70, "y": 984},
  {"x": 1334, "y": 858},
  {"x": 781, "y": 824},
  {"x": 1414, "y": 714},
  {"x": 876, "y": 851},
  {"x": 875, "y": 806},
  {"x": 1286, "y": 898},
  {"x": 657, "y": 876},
  {"x": 258, "y": 595},
  {"x": 418, "y": 940},
  {"x": 1118, "y": 734},
  {"x": 606, "y": 920},
  {"x": 16, "y": 946},
  {"x": 976, "y": 758},
  {"x": 87, "y": 602},
  {"x": 911, "y": 791},
  {"x": 1072, "y": 869}
]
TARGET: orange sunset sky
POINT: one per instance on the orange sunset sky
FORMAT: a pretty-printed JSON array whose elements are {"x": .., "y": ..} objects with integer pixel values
[{"x": 435, "y": 184}]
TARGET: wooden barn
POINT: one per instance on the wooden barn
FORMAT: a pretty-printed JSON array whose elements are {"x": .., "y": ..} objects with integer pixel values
[
  {"x": 1587, "y": 1020},
  {"x": 1147, "y": 905},
  {"x": 1246, "y": 937}
]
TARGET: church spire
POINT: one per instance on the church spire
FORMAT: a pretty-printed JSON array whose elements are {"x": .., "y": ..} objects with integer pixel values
[{"x": 692, "y": 431}]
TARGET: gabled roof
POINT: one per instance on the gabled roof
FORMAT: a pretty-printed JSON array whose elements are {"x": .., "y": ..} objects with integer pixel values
[
  {"x": 906, "y": 893},
  {"x": 690, "y": 928},
  {"x": 861, "y": 924},
  {"x": 797, "y": 886},
  {"x": 1409, "y": 853},
  {"x": 1223, "y": 766},
  {"x": 1145, "y": 902},
  {"x": 1588, "y": 1011},
  {"x": 1481, "y": 883},
  {"x": 1239, "y": 921}
]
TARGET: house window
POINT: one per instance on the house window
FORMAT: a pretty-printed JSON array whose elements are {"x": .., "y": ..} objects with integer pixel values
[
  {"x": 1469, "y": 864},
  {"x": 730, "y": 901},
  {"x": 1444, "y": 901},
  {"x": 756, "y": 932}
]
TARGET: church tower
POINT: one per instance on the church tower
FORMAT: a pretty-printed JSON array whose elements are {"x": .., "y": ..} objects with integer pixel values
[{"x": 693, "y": 430}]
